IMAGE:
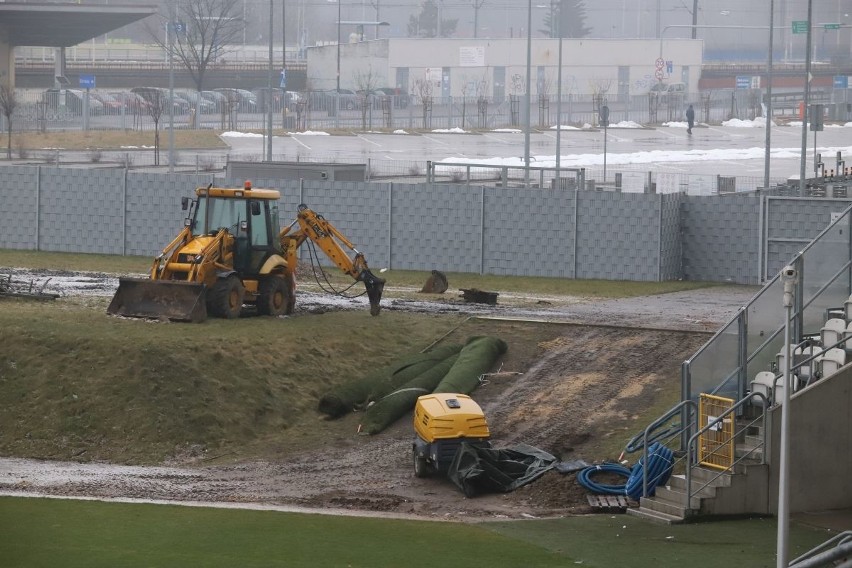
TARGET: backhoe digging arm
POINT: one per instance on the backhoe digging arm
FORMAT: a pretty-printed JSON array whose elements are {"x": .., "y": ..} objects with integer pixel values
[{"x": 326, "y": 236}]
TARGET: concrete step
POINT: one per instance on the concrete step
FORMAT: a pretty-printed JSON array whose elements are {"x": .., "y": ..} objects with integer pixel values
[
  {"x": 714, "y": 476},
  {"x": 663, "y": 506},
  {"x": 676, "y": 497},
  {"x": 654, "y": 516},
  {"x": 678, "y": 482}
]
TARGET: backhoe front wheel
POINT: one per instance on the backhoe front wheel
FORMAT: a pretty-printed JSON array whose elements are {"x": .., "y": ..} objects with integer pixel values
[
  {"x": 275, "y": 296},
  {"x": 225, "y": 299}
]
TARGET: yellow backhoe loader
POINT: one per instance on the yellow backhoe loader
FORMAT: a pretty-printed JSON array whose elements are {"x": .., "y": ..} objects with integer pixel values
[{"x": 232, "y": 252}]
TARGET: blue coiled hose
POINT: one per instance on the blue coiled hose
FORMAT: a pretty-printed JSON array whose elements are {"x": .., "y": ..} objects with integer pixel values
[
  {"x": 660, "y": 464},
  {"x": 584, "y": 478}
]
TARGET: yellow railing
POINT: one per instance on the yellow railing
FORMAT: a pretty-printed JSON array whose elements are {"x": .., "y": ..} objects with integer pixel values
[{"x": 716, "y": 444}]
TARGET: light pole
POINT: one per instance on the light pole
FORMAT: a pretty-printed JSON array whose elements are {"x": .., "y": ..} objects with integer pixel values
[
  {"x": 768, "y": 138},
  {"x": 171, "y": 45},
  {"x": 528, "y": 98},
  {"x": 268, "y": 97},
  {"x": 338, "y": 46},
  {"x": 559, "y": 100},
  {"x": 805, "y": 113}
]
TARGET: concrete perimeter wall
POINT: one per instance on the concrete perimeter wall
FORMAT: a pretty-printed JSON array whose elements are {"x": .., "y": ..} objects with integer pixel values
[{"x": 454, "y": 228}]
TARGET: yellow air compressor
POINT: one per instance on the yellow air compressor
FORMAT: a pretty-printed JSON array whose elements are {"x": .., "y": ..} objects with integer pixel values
[{"x": 442, "y": 421}]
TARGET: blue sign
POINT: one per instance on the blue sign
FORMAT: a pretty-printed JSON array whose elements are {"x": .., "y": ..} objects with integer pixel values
[
  {"x": 179, "y": 27},
  {"x": 669, "y": 67},
  {"x": 841, "y": 82},
  {"x": 743, "y": 81},
  {"x": 283, "y": 84},
  {"x": 87, "y": 81}
]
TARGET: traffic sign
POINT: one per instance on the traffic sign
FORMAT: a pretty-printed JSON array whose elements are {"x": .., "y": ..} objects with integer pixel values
[
  {"x": 87, "y": 81},
  {"x": 179, "y": 27},
  {"x": 659, "y": 63},
  {"x": 669, "y": 67},
  {"x": 831, "y": 26},
  {"x": 841, "y": 82},
  {"x": 283, "y": 84},
  {"x": 743, "y": 81},
  {"x": 800, "y": 26},
  {"x": 658, "y": 74}
]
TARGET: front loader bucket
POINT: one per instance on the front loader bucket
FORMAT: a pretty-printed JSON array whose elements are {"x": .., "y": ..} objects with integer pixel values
[
  {"x": 174, "y": 300},
  {"x": 375, "y": 286}
]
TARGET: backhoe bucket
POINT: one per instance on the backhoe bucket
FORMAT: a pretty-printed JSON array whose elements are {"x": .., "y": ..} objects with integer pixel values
[
  {"x": 174, "y": 300},
  {"x": 375, "y": 286}
]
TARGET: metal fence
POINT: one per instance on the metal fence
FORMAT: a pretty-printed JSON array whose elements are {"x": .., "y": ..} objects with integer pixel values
[{"x": 233, "y": 109}]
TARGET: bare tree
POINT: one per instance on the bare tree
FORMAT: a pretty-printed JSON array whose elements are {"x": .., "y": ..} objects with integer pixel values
[
  {"x": 467, "y": 88},
  {"x": 599, "y": 87},
  {"x": 423, "y": 88},
  {"x": 482, "y": 102},
  {"x": 366, "y": 82},
  {"x": 8, "y": 102},
  {"x": 157, "y": 103},
  {"x": 544, "y": 87},
  {"x": 199, "y": 33}
]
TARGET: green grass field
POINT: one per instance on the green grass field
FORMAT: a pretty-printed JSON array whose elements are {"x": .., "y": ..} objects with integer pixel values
[{"x": 49, "y": 533}]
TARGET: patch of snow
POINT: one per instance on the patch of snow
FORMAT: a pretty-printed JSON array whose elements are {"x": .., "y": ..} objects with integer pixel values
[
  {"x": 626, "y": 124},
  {"x": 400, "y": 131},
  {"x": 309, "y": 133},
  {"x": 567, "y": 127},
  {"x": 235, "y": 134},
  {"x": 455, "y": 130},
  {"x": 509, "y": 130}
]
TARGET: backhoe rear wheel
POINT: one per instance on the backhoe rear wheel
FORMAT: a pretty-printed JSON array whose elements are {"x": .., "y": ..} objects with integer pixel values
[
  {"x": 275, "y": 296},
  {"x": 225, "y": 299}
]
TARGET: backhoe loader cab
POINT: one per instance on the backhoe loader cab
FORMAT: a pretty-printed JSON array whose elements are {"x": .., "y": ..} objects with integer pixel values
[{"x": 232, "y": 252}]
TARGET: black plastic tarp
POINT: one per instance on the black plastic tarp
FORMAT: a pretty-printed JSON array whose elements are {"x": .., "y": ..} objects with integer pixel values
[{"x": 480, "y": 469}]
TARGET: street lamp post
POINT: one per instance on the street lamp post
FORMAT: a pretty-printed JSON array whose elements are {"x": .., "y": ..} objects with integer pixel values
[
  {"x": 528, "y": 97},
  {"x": 268, "y": 97},
  {"x": 767, "y": 145},
  {"x": 338, "y": 47},
  {"x": 805, "y": 113}
]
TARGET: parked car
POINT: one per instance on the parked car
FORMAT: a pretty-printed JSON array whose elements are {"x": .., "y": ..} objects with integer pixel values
[
  {"x": 376, "y": 96},
  {"x": 217, "y": 98},
  {"x": 198, "y": 102},
  {"x": 132, "y": 102},
  {"x": 239, "y": 99},
  {"x": 400, "y": 98},
  {"x": 71, "y": 101},
  {"x": 111, "y": 105},
  {"x": 157, "y": 95},
  {"x": 328, "y": 100},
  {"x": 276, "y": 96}
]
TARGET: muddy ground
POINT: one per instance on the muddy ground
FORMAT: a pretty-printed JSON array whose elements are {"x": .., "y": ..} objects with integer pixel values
[{"x": 608, "y": 362}]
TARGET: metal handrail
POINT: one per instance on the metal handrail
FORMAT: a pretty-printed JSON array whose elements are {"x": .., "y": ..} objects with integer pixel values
[
  {"x": 681, "y": 408},
  {"x": 800, "y": 309},
  {"x": 819, "y": 555},
  {"x": 718, "y": 420}
]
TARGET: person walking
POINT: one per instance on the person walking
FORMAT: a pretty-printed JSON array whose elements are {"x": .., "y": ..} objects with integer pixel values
[{"x": 690, "y": 119}]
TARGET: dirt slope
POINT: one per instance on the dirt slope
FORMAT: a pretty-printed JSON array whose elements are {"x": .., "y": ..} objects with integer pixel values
[{"x": 578, "y": 392}]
